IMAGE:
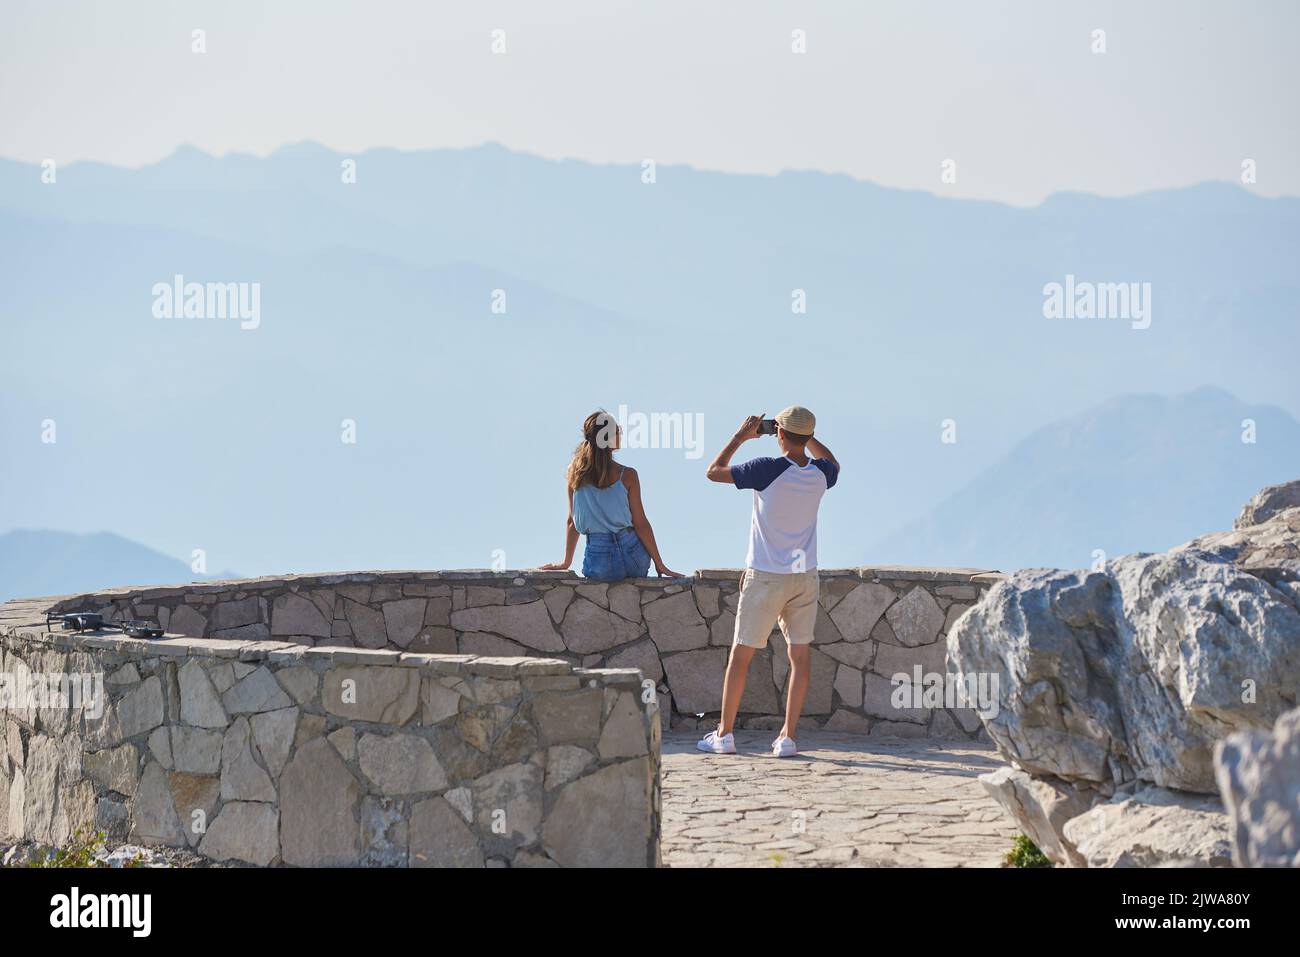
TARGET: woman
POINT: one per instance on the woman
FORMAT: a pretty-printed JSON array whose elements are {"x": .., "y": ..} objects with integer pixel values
[{"x": 605, "y": 505}]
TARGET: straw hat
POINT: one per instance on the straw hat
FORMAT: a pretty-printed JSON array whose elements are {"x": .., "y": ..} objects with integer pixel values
[{"x": 796, "y": 419}]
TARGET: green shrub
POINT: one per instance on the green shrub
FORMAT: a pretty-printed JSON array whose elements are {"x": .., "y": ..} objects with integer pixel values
[
  {"x": 80, "y": 852},
  {"x": 1025, "y": 853}
]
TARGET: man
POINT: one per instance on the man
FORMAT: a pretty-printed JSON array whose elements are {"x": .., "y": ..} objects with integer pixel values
[{"x": 780, "y": 584}]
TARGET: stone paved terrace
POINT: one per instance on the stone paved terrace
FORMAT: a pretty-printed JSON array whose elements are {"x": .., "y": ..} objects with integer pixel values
[{"x": 865, "y": 802}]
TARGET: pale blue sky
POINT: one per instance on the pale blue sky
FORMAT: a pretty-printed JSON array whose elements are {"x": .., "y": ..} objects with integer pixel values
[{"x": 886, "y": 91}]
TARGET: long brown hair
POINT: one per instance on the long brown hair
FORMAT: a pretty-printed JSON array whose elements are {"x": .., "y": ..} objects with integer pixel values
[{"x": 593, "y": 460}]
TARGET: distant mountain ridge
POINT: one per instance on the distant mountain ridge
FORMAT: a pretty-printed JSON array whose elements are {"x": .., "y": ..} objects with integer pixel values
[
  {"x": 38, "y": 562},
  {"x": 377, "y": 302},
  {"x": 1136, "y": 473}
]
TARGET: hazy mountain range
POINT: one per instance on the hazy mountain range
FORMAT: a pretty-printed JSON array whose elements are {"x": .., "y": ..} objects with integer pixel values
[
  {"x": 1137, "y": 473},
  {"x": 41, "y": 562},
  {"x": 376, "y": 307}
]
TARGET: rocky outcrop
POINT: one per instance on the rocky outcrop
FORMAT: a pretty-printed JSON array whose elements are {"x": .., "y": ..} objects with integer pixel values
[
  {"x": 1116, "y": 685},
  {"x": 1134, "y": 672},
  {"x": 1041, "y": 808},
  {"x": 1259, "y": 777},
  {"x": 1270, "y": 550},
  {"x": 1152, "y": 827},
  {"x": 1267, "y": 503}
]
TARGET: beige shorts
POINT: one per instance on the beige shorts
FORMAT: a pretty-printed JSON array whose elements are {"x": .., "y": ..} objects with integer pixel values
[{"x": 769, "y": 598}]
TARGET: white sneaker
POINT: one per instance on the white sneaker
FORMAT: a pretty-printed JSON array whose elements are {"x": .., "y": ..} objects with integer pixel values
[
  {"x": 717, "y": 745},
  {"x": 783, "y": 747}
]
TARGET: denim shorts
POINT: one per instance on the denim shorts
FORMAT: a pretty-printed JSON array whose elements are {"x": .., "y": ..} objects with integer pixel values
[{"x": 613, "y": 556}]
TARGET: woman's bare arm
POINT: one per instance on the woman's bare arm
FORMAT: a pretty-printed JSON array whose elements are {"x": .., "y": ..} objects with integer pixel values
[
  {"x": 570, "y": 543},
  {"x": 642, "y": 524}
]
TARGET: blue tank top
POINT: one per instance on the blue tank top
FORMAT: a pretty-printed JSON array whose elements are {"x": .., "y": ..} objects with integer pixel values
[{"x": 602, "y": 509}]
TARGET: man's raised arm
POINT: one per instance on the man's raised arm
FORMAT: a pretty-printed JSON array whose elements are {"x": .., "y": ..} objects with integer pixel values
[
  {"x": 819, "y": 451},
  {"x": 720, "y": 468}
]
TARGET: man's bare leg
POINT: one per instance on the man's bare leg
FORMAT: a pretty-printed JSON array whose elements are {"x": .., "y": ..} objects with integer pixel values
[
  {"x": 800, "y": 672},
  {"x": 733, "y": 685}
]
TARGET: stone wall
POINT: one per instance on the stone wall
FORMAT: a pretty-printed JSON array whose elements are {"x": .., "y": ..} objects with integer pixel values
[
  {"x": 319, "y": 753},
  {"x": 873, "y": 623}
]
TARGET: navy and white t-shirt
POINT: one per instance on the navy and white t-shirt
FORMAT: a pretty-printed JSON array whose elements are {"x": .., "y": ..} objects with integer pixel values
[{"x": 783, "y": 529}]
